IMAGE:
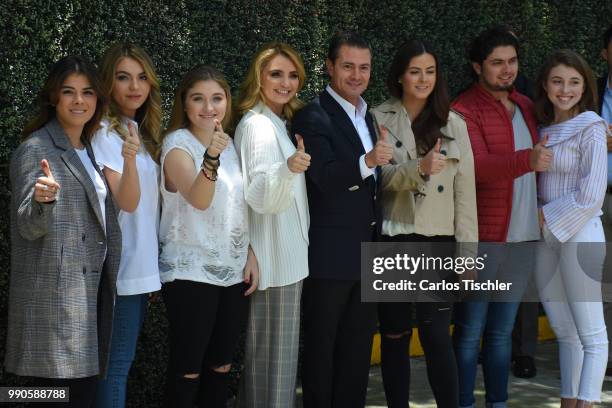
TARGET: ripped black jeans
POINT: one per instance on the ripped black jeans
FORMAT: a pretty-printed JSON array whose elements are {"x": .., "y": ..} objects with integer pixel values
[{"x": 433, "y": 322}]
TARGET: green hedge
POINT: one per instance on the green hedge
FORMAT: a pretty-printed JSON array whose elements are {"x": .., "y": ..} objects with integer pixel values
[{"x": 179, "y": 34}]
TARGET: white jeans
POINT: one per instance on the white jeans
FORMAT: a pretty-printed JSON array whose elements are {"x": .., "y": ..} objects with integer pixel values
[{"x": 569, "y": 283}]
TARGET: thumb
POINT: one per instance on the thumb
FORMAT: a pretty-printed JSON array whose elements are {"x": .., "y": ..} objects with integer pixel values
[
  {"x": 437, "y": 146},
  {"x": 544, "y": 140},
  {"x": 218, "y": 127},
  {"x": 132, "y": 130},
  {"x": 44, "y": 165},
  {"x": 300, "y": 142},
  {"x": 383, "y": 133}
]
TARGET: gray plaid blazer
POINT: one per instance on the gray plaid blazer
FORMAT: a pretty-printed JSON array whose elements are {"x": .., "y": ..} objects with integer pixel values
[{"x": 63, "y": 265}]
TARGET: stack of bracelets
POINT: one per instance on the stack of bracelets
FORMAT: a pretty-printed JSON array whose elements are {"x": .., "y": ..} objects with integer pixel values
[{"x": 210, "y": 165}]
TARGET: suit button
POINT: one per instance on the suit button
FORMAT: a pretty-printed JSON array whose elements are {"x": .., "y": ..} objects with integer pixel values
[
  {"x": 440, "y": 188},
  {"x": 375, "y": 196},
  {"x": 373, "y": 223},
  {"x": 84, "y": 270},
  {"x": 443, "y": 152},
  {"x": 398, "y": 144}
]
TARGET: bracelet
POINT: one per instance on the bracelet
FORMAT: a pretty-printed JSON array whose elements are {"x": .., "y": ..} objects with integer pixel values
[
  {"x": 212, "y": 177},
  {"x": 211, "y": 164},
  {"x": 208, "y": 156}
]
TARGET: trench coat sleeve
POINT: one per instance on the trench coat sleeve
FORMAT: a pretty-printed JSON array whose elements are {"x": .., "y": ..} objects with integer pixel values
[{"x": 33, "y": 218}]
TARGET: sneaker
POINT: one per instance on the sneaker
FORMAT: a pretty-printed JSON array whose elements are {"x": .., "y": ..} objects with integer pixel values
[{"x": 524, "y": 367}]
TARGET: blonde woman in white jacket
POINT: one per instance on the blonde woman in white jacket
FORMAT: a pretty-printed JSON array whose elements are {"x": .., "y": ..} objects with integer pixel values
[{"x": 275, "y": 190}]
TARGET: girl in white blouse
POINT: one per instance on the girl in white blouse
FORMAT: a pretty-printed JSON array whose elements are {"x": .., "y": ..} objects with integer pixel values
[
  {"x": 133, "y": 176},
  {"x": 275, "y": 190},
  {"x": 206, "y": 265},
  {"x": 571, "y": 194}
]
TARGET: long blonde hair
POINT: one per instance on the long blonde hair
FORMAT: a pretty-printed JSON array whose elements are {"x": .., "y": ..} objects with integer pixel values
[
  {"x": 250, "y": 90},
  {"x": 179, "y": 118},
  {"x": 149, "y": 114}
]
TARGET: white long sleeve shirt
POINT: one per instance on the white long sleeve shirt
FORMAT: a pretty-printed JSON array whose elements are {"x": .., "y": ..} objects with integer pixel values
[
  {"x": 278, "y": 205},
  {"x": 571, "y": 192}
]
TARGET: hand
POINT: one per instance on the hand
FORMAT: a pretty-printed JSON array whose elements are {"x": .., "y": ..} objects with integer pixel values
[
  {"x": 541, "y": 218},
  {"x": 382, "y": 152},
  {"x": 131, "y": 144},
  {"x": 251, "y": 272},
  {"x": 46, "y": 187},
  {"x": 434, "y": 161},
  {"x": 219, "y": 140},
  {"x": 609, "y": 137},
  {"x": 540, "y": 157},
  {"x": 300, "y": 160}
]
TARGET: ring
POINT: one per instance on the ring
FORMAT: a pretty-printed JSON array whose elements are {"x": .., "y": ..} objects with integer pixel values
[{"x": 45, "y": 187}]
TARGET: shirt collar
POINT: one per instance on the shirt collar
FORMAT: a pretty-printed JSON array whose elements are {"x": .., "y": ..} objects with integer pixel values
[{"x": 348, "y": 107}]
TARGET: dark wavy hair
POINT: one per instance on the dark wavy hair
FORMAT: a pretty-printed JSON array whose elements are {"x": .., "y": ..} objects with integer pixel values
[
  {"x": 426, "y": 126},
  {"x": 49, "y": 94},
  {"x": 543, "y": 107}
]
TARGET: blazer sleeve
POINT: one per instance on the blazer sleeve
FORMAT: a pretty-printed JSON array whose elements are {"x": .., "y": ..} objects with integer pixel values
[
  {"x": 492, "y": 167},
  {"x": 328, "y": 172},
  {"x": 33, "y": 218},
  {"x": 566, "y": 215},
  {"x": 268, "y": 185}
]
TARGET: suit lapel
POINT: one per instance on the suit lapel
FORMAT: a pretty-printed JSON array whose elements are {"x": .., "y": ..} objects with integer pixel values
[
  {"x": 76, "y": 167},
  {"x": 341, "y": 120}
]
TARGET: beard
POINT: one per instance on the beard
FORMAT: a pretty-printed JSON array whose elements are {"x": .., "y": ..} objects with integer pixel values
[{"x": 498, "y": 87}]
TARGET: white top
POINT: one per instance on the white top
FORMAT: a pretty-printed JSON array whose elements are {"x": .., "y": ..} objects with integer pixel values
[
  {"x": 571, "y": 192},
  {"x": 138, "y": 269},
  {"x": 278, "y": 205},
  {"x": 97, "y": 181},
  {"x": 211, "y": 245},
  {"x": 357, "y": 116}
]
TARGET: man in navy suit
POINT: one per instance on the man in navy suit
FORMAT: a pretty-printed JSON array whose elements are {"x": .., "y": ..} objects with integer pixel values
[{"x": 339, "y": 135}]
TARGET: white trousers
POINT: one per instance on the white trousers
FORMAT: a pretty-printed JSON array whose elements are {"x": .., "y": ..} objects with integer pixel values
[{"x": 569, "y": 283}]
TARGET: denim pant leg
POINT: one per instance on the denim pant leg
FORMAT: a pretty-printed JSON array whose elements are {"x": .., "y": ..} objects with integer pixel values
[
  {"x": 497, "y": 351},
  {"x": 470, "y": 319},
  {"x": 129, "y": 315}
]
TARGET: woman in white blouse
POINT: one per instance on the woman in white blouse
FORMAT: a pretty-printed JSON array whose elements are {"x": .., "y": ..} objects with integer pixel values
[
  {"x": 275, "y": 190},
  {"x": 128, "y": 75},
  {"x": 206, "y": 266},
  {"x": 571, "y": 194}
]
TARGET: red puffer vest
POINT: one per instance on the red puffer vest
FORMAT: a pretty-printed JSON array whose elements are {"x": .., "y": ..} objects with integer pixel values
[{"x": 497, "y": 164}]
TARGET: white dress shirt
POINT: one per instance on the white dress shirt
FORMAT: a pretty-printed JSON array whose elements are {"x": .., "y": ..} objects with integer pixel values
[{"x": 357, "y": 116}]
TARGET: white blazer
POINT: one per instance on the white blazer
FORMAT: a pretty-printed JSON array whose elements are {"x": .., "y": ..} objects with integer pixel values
[{"x": 278, "y": 204}]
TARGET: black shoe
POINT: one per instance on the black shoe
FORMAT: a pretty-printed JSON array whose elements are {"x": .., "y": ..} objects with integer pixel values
[{"x": 524, "y": 367}]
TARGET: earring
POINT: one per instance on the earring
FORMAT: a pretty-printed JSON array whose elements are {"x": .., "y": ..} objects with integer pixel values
[{"x": 399, "y": 81}]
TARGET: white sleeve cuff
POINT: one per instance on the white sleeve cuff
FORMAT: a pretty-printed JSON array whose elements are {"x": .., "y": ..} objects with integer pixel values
[{"x": 364, "y": 169}]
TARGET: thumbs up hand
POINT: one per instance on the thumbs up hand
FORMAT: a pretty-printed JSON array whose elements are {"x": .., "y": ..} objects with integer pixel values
[
  {"x": 131, "y": 144},
  {"x": 300, "y": 160},
  {"x": 540, "y": 157},
  {"x": 46, "y": 188},
  {"x": 219, "y": 141},
  {"x": 382, "y": 152},
  {"x": 434, "y": 161}
]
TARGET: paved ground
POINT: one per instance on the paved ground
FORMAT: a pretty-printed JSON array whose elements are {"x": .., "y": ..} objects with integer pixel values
[{"x": 539, "y": 392}]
